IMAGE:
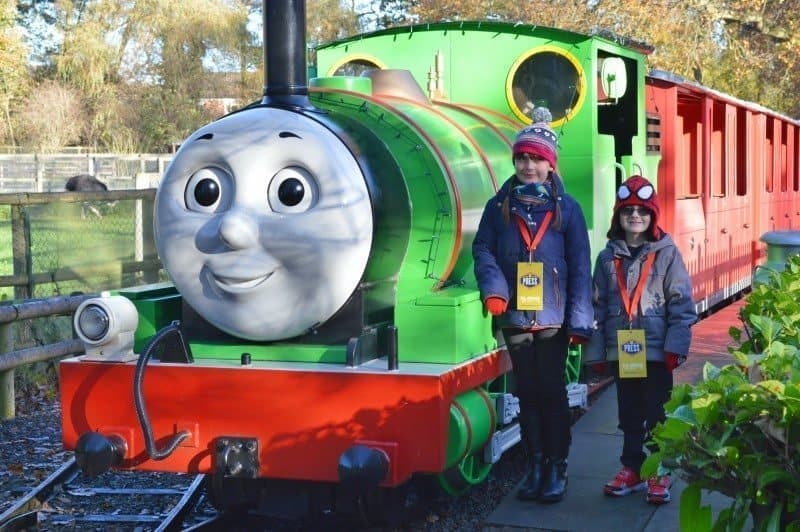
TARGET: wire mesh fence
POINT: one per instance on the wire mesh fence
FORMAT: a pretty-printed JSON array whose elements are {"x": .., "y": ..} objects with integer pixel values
[
  {"x": 65, "y": 243},
  {"x": 59, "y": 243},
  {"x": 56, "y": 247}
]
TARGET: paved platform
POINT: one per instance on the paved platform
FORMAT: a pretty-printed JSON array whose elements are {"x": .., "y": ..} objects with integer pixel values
[{"x": 594, "y": 459}]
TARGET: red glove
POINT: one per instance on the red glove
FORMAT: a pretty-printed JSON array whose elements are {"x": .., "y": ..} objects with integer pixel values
[
  {"x": 576, "y": 339},
  {"x": 672, "y": 361},
  {"x": 599, "y": 367},
  {"x": 495, "y": 305}
]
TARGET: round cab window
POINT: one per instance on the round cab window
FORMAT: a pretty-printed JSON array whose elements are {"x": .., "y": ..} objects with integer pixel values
[
  {"x": 546, "y": 78},
  {"x": 355, "y": 67}
]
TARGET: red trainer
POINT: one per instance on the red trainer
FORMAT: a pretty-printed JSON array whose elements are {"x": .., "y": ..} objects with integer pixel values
[
  {"x": 658, "y": 489},
  {"x": 625, "y": 482}
]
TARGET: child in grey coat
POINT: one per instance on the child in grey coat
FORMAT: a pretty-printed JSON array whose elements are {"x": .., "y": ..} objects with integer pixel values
[{"x": 642, "y": 298}]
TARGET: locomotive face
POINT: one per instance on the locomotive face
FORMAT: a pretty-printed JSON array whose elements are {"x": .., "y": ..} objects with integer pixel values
[{"x": 264, "y": 223}]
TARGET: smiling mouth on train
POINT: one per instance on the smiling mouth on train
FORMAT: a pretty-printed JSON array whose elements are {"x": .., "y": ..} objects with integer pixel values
[{"x": 238, "y": 284}]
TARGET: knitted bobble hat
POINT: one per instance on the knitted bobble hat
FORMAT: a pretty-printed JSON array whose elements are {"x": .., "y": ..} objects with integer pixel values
[{"x": 537, "y": 139}]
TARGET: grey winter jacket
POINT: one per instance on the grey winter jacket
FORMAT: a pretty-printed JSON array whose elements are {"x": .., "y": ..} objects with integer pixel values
[{"x": 666, "y": 310}]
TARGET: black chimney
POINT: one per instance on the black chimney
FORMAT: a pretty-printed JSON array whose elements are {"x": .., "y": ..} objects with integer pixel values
[{"x": 285, "y": 53}]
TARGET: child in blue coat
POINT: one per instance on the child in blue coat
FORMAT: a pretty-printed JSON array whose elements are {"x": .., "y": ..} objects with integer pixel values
[{"x": 533, "y": 266}]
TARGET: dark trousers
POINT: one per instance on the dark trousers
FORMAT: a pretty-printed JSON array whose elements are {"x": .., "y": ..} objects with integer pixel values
[
  {"x": 539, "y": 361},
  {"x": 640, "y": 405}
]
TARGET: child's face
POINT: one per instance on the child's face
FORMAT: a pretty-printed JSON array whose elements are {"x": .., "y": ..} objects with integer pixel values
[
  {"x": 635, "y": 219},
  {"x": 531, "y": 168}
]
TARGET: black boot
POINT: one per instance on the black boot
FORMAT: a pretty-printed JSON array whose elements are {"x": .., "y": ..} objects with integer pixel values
[
  {"x": 532, "y": 485},
  {"x": 555, "y": 480}
]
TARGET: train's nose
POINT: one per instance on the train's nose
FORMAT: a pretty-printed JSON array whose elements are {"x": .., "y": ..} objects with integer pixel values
[{"x": 238, "y": 230}]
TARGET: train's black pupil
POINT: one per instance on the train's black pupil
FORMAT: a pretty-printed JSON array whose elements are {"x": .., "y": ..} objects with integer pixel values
[
  {"x": 206, "y": 192},
  {"x": 291, "y": 192}
]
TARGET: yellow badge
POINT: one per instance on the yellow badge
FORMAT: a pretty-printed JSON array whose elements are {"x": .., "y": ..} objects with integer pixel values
[
  {"x": 530, "y": 286},
  {"x": 632, "y": 353}
]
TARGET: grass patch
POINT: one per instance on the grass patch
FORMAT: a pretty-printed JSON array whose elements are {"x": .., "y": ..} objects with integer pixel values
[{"x": 62, "y": 236}]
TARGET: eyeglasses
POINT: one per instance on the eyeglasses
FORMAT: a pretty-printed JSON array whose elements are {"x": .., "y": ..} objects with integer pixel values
[
  {"x": 643, "y": 193},
  {"x": 641, "y": 211}
]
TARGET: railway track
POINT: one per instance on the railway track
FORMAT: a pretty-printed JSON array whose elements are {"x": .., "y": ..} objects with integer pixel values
[{"x": 67, "y": 499}]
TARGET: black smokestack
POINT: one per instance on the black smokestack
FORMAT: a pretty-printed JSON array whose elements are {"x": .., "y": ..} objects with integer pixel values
[{"x": 285, "y": 53}]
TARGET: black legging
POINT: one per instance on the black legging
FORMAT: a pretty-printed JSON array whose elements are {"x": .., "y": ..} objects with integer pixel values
[
  {"x": 539, "y": 361},
  {"x": 640, "y": 404}
]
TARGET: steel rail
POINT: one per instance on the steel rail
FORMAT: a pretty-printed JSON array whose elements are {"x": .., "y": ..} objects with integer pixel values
[{"x": 22, "y": 514}]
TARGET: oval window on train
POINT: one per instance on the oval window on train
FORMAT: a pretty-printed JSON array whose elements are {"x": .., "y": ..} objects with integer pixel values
[
  {"x": 546, "y": 77},
  {"x": 355, "y": 66}
]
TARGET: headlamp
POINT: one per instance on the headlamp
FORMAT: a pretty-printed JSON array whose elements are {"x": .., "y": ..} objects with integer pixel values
[
  {"x": 93, "y": 322},
  {"x": 106, "y": 325}
]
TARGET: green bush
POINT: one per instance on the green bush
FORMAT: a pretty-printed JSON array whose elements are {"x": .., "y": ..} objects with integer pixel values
[{"x": 737, "y": 431}]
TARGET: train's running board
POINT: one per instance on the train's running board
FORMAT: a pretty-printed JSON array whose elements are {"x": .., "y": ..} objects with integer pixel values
[{"x": 502, "y": 440}]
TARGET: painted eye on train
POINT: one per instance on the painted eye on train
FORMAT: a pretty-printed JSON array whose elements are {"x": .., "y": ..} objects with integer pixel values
[
  {"x": 292, "y": 190},
  {"x": 207, "y": 191}
]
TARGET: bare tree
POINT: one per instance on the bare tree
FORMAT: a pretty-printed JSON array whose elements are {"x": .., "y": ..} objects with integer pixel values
[
  {"x": 146, "y": 54},
  {"x": 51, "y": 118}
]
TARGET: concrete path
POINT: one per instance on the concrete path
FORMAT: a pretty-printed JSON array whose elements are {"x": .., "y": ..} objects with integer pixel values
[{"x": 594, "y": 459}]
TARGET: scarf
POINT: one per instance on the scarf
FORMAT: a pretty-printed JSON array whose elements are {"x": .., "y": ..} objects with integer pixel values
[{"x": 533, "y": 193}]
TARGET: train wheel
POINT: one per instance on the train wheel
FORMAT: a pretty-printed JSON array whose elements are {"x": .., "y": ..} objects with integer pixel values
[
  {"x": 232, "y": 494},
  {"x": 395, "y": 506},
  {"x": 470, "y": 471}
]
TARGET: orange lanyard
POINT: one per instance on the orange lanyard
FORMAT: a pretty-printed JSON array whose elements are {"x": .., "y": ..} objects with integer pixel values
[
  {"x": 526, "y": 234},
  {"x": 631, "y": 304}
]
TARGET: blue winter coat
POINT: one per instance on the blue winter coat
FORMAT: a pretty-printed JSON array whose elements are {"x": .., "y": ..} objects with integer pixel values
[{"x": 564, "y": 251}]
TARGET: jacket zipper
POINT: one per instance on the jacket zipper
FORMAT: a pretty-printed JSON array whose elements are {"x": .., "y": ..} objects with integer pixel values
[
  {"x": 558, "y": 292},
  {"x": 558, "y": 295}
]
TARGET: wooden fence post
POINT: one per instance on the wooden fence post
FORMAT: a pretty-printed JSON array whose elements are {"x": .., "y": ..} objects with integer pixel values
[
  {"x": 149, "y": 245},
  {"x": 138, "y": 223},
  {"x": 145, "y": 249},
  {"x": 20, "y": 249},
  {"x": 7, "y": 405},
  {"x": 38, "y": 182}
]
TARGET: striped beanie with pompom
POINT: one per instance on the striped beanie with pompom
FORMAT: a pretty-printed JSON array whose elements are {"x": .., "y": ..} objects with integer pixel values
[{"x": 539, "y": 140}]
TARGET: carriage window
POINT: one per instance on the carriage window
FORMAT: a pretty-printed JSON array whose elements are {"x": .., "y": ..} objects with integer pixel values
[
  {"x": 742, "y": 152},
  {"x": 784, "y": 160},
  {"x": 719, "y": 150},
  {"x": 769, "y": 164},
  {"x": 356, "y": 67},
  {"x": 690, "y": 146},
  {"x": 796, "y": 159},
  {"x": 546, "y": 77}
]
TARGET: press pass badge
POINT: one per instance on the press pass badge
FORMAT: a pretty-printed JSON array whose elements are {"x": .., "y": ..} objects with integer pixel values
[
  {"x": 530, "y": 294},
  {"x": 632, "y": 353}
]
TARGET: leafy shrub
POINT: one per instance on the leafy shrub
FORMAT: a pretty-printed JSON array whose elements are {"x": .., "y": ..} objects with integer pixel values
[{"x": 737, "y": 431}]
